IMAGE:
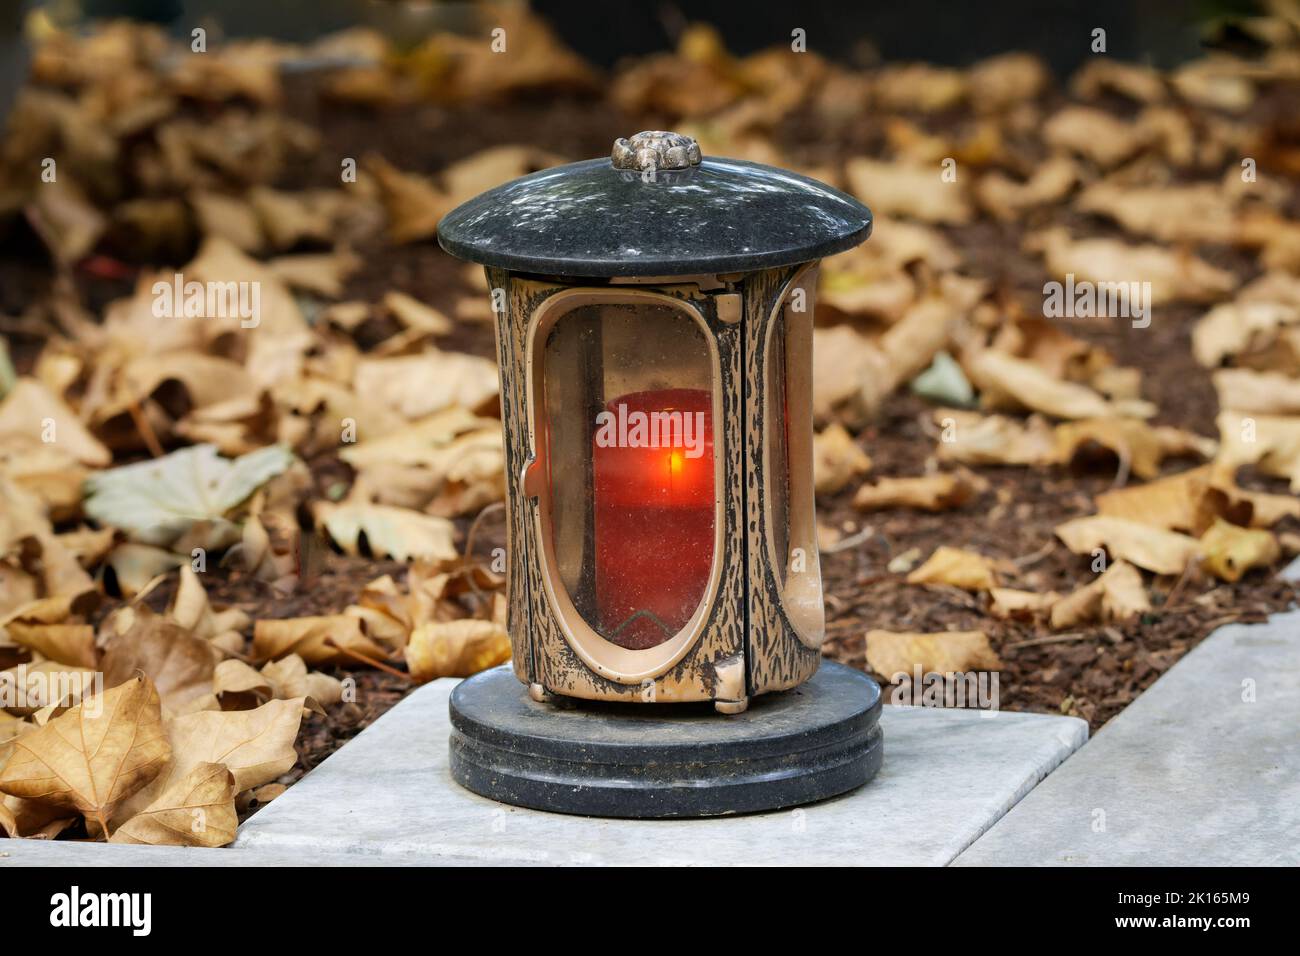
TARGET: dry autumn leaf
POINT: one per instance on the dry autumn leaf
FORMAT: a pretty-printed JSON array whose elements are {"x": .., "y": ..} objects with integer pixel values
[
  {"x": 1115, "y": 595},
  {"x": 31, "y": 415},
  {"x": 1174, "y": 275},
  {"x": 157, "y": 502},
  {"x": 915, "y": 192},
  {"x": 398, "y": 532},
  {"x": 956, "y": 567},
  {"x": 456, "y": 648},
  {"x": 1020, "y": 605},
  {"x": 1269, "y": 442},
  {"x": 1188, "y": 501},
  {"x": 1138, "y": 446},
  {"x": 1008, "y": 382},
  {"x": 179, "y": 664},
  {"x": 1164, "y": 552},
  {"x": 196, "y": 810},
  {"x": 940, "y": 492},
  {"x": 1266, "y": 393},
  {"x": 975, "y": 439},
  {"x": 256, "y": 746},
  {"x": 837, "y": 459},
  {"x": 93, "y": 757},
  {"x": 1228, "y": 551},
  {"x": 326, "y": 639},
  {"x": 891, "y": 654}
]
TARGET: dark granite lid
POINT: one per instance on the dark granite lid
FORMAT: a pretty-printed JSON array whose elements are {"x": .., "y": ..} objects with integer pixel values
[{"x": 713, "y": 216}]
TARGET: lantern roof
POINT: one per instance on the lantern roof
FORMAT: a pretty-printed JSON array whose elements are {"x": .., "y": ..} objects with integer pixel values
[{"x": 655, "y": 208}]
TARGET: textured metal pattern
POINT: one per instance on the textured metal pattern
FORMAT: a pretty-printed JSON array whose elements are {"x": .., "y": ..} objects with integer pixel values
[{"x": 776, "y": 658}]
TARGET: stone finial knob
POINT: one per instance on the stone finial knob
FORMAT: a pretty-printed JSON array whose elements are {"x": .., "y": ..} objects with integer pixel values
[{"x": 655, "y": 149}]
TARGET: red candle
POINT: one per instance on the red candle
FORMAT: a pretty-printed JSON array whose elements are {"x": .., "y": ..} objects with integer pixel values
[{"x": 654, "y": 513}]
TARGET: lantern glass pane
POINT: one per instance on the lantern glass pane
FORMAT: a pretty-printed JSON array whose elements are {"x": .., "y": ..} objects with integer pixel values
[
  {"x": 788, "y": 458},
  {"x": 628, "y": 427}
]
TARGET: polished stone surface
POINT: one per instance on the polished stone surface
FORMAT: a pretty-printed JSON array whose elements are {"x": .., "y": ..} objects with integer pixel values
[
  {"x": 1201, "y": 770},
  {"x": 816, "y": 741},
  {"x": 590, "y": 219},
  {"x": 949, "y": 775}
]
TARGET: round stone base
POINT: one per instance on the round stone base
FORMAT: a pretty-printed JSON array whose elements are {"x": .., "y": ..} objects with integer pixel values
[{"x": 665, "y": 760}]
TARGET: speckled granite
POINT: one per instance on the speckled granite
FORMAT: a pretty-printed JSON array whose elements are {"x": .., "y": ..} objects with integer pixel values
[{"x": 590, "y": 219}]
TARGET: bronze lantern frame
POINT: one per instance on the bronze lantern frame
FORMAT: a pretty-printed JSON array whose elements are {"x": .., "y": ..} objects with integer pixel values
[{"x": 760, "y": 623}]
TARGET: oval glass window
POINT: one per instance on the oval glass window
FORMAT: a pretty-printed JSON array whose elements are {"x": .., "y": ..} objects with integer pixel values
[
  {"x": 788, "y": 461},
  {"x": 631, "y": 497}
]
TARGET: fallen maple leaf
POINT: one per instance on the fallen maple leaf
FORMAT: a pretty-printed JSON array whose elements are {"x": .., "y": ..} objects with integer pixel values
[
  {"x": 953, "y": 566},
  {"x": 1267, "y": 393},
  {"x": 419, "y": 385},
  {"x": 64, "y": 643},
  {"x": 911, "y": 190},
  {"x": 1138, "y": 445},
  {"x": 1187, "y": 501},
  {"x": 324, "y": 639},
  {"x": 414, "y": 204},
  {"x": 1270, "y": 442},
  {"x": 179, "y": 664},
  {"x": 1009, "y": 382},
  {"x": 290, "y": 678},
  {"x": 30, "y": 414},
  {"x": 975, "y": 439},
  {"x": 456, "y": 648},
  {"x": 240, "y": 687},
  {"x": 1164, "y": 552},
  {"x": 891, "y": 654},
  {"x": 94, "y": 756},
  {"x": 1200, "y": 212},
  {"x": 398, "y": 532},
  {"x": 1174, "y": 275},
  {"x": 1094, "y": 134},
  {"x": 939, "y": 492},
  {"x": 1238, "y": 327},
  {"x": 196, "y": 810},
  {"x": 1228, "y": 551},
  {"x": 256, "y": 746},
  {"x": 837, "y": 459},
  {"x": 1116, "y": 595},
  {"x": 158, "y": 501},
  {"x": 1021, "y": 605}
]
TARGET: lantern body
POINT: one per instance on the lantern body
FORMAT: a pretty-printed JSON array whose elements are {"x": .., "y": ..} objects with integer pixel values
[{"x": 658, "y": 427}]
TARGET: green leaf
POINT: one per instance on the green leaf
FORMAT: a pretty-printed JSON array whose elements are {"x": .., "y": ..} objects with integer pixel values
[{"x": 944, "y": 383}]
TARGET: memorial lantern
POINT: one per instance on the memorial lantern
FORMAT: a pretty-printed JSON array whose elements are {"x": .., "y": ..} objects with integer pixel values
[{"x": 654, "y": 315}]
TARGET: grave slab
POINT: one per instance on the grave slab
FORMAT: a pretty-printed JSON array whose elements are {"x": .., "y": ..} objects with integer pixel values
[
  {"x": 1193, "y": 773},
  {"x": 74, "y": 854},
  {"x": 948, "y": 775}
]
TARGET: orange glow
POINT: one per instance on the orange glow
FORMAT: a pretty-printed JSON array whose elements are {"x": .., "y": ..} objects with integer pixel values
[{"x": 654, "y": 525}]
